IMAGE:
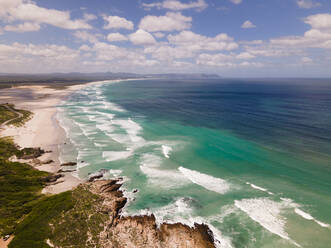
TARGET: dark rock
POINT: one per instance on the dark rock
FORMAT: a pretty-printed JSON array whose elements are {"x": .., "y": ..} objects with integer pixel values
[
  {"x": 135, "y": 191},
  {"x": 69, "y": 164},
  {"x": 48, "y": 161},
  {"x": 52, "y": 178},
  {"x": 92, "y": 178},
  {"x": 64, "y": 171}
]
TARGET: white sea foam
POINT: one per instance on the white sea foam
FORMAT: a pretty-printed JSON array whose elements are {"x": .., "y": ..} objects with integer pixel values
[
  {"x": 119, "y": 138},
  {"x": 166, "y": 150},
  {"x": 105, "y": 127},
  {"x": 116, "y": 155},
  {"x": 132, "y": 129},
  {"x": 151, "y": 167},
  {"x": 181, "y": 211},
  {"x": 220, "y": 240},
  {"x": 99, "y": 144},
  {"x": 267, "y": 213},
  {"x": 178, "y": 211},
  {"x": 164, "y": 178},
  {"x": 113, "y": 107},
  {"x": 259, "y": 188},
  {"x": 208, "y": 182},
  {"x": 309, "y": 217},
  {"x": 115, "y": 173}
]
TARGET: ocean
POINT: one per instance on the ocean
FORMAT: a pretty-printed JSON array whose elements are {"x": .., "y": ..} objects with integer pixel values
[{"x": 250, "y": 158}]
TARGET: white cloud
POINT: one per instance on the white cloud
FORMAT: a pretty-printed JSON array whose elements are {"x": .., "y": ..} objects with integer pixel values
[
  {"x": 86, "y": 36},
  {"x": 308, "y": 4},
  {"x": 175, "y": 5},
  {"x": 29, "y": 12},
  {"x": 84, "y": 48},
  {"x": 306, "y": 60},
  {"x": 248, "y": 24},
  {"x": 197, "y": 42},
  {"x": 170, "y": 22},
  {"x": 223, "y": 60},
  {"x": 319, "y": 21},
  {"x": 19, "y": 57},
  {"x": 245, "y": 55},
  {"x": 319, "y": 36},
  {"x": 236, "y": 1},
  {"x": 141, "y": 37},
  {"x": 116, "y": 22},
  {"x": 116, "y": 37},
  {"x": 159, "y": 35},
  {"x": 168, "y": 53},
  {"x": 219, "y": 59},
  {"x": 89, "y": 17},
  {"x": 23, "y": 27}
]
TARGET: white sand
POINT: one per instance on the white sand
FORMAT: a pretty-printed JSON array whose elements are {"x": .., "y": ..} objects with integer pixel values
[{"x": 42, "y": 130}]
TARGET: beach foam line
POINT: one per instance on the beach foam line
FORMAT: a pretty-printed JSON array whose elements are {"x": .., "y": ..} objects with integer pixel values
[
  {"x": 208, "y": 182},
  {"x": 267, "y": 213},
  {"x": 110, "y": 156},
  {"x": 309, "y": 217},
  {"x": 259, "y": 188},
  {"x": 166, "y": 151}
]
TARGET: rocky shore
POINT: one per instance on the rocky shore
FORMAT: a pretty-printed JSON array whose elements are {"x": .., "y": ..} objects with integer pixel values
[
  {"x": 142, "y": 231},
  {"x": 110, "y": 229}
]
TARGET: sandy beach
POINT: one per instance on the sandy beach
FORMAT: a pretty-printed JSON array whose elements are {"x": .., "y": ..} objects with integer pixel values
[{"x": 43, "y": 130}]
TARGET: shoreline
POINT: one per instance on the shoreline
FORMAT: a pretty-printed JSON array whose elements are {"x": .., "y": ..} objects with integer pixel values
[{"x": 43, "y": 129}]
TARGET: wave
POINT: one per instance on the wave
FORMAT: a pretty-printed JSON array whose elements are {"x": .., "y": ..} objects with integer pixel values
[
  {"x": 267, "y": 213},
  {"x": 259, "y": 188},
  {"x": 113, "y": 107},
  {"x": 150, "y": 165},
  {"x": 116, "y": 155},
  {"x": 132, "y": 129},
  {"x": 208, "y": 182},
  {"x": 166, "y": 151},
  {"x": 181, "y": 211},
  {"x": 309, "y": 217}
]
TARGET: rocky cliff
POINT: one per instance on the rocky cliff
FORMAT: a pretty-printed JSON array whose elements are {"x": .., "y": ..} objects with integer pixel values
[{"x": 103, "y": 226}]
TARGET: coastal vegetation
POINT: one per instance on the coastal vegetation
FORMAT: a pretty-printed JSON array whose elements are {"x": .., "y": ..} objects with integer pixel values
[
  {"x": 20, "y": 187},
  {"x": 9, "y": 115}
]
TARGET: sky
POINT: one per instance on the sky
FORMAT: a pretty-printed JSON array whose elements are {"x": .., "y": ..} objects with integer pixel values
[{"x": 233, "y": 38}]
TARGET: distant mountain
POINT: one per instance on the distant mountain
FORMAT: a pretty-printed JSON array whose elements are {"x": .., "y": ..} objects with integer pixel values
[
  {"x": 184, "y": 76},
  {"x": 78, "y": 77}
]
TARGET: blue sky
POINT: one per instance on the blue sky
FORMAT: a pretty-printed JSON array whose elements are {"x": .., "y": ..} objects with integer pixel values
[{"x": 234, "y": 38}]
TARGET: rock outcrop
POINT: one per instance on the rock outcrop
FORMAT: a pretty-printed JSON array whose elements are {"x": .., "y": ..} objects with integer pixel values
[{"x": 142, "y": 231}]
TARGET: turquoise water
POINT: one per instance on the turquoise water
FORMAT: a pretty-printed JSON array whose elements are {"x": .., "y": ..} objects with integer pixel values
[{"x": 250, "y": 159}]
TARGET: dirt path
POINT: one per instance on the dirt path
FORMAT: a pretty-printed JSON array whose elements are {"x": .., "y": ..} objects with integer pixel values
[
  {"x": 19, "y": 115},
  {"x": 4, "y": 244}
]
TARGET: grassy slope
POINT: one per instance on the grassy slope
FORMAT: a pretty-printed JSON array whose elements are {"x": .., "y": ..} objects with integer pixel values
[
  {"x": 20, "y": 187},
  {"x": 68, "y": 219},
  {"x": 6, "y": 114}
]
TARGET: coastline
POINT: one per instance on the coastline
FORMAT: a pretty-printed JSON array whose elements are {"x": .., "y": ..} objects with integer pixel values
[{"x": 43, "y": 129}]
